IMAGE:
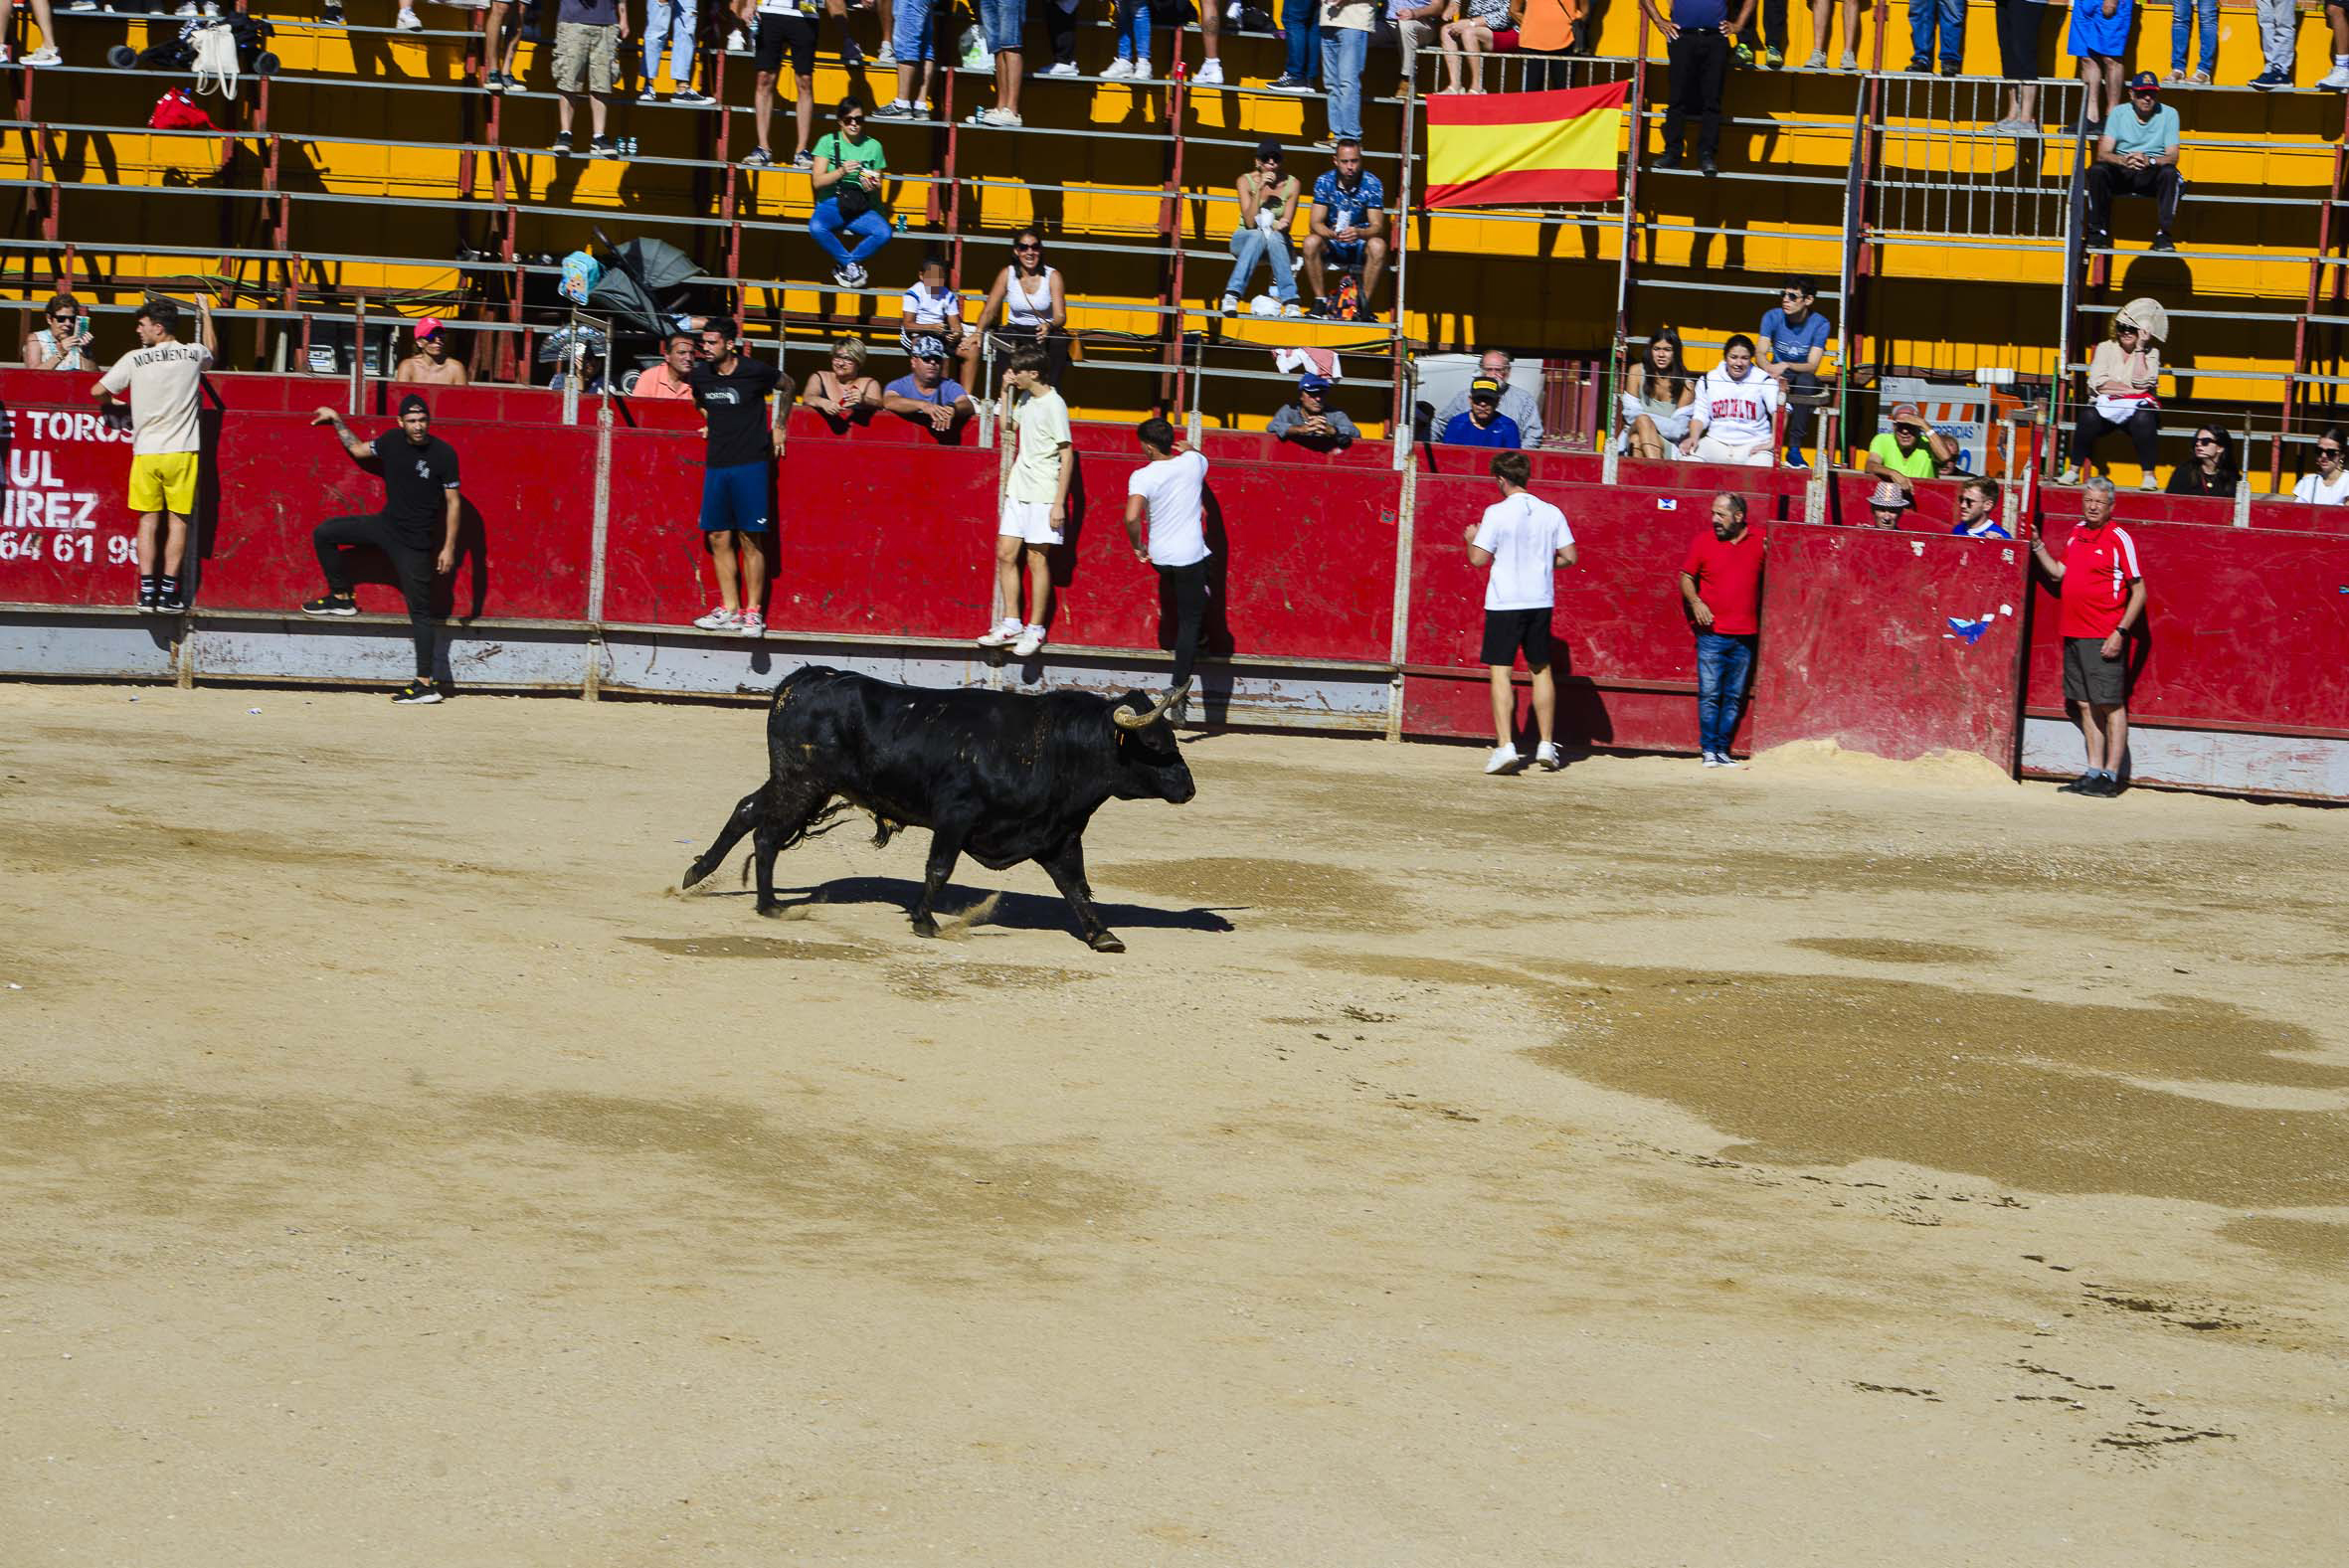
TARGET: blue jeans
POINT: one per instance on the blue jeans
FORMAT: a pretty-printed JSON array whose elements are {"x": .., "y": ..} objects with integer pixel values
[
  {"x": 1951, "y": 14},
  {"x": 1343, "y": 48},
  {"x": 870, "y": 228},
  {"x": 2182, "y": 32},
  {"x": 1725, "y": 666},
  {"x": 676, "y": 22},
  {"x": 1005, "y": 23},
  {"x": 1132, "y": 24},
  {"x": 909, "y": 35},
  {"x": 1249, "y": 248},
  {"x": 1298, "y": 26}
]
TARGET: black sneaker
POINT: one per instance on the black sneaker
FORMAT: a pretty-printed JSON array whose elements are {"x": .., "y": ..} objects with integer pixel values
[
  {"x": 601, "y": 147},
  {"x": 2162, "y": 241},
  {"x": 803, "y": 159},
  {"x": 686, "y": 98},
  {"x": 148, "y": 591},
  {"x": 2081, "y": 786},
  {"x": 172, "y": 601},
  {"x": 2105, "y": 787},
  {"x": 560, "y": 145},
  {"x": 1284, "y": 82},
  {"x": 495, "y": 82},
  {"x": 1670, "y": 160},
  {"x": 328, "y": 604},
  {"x": 759, "y": 158},
  {"x": 416, "y": 692},
  {"x": 1707, "y": 166}
]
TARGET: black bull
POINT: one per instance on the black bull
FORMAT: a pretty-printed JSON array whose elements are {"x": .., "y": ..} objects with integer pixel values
[{"x": 996, "y": 776}]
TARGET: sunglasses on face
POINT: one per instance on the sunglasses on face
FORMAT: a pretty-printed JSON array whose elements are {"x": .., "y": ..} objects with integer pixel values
[
  {"x": 1029, "y": 244},
  {"x": 2328, "y": 451},
  {"x": 2206, "y": 440},
  {"x": 61, "y": 315}
]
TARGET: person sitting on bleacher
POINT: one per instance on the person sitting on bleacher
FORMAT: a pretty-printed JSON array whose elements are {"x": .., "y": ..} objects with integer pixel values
[
  {"x": 931, "y": 310},
  {"x": 1268, "y": 205},
  {"x": 2213, "y": 471},
  {"x": 1417, "y": 24},
  {"x": 1735, "y": 416},
  {"x": 1656, "y": 396},
  {"x": 1310, "y": 422},
  {"x": 1482, "y": 423},
  {"x": 2329, "y": 484},
  {"x": 2123, "y": 376},
  {"x": 1346, "y": 229},
  {"x": 2137, "y": 156},
  {"x": 1911, "y": 450},
  {"x": 431, "y": 361},
  {"x": 587, "y": 64},
  {"x": 1488, "y": 27},
  {"x": 841, "y": 392},
  {"x": 1517, "y": 404},
  {"x": 1031, "y": 301},
  {"x": 847, "y": 181}
]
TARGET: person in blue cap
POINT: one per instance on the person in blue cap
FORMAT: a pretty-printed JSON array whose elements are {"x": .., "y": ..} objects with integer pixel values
[{"x": 1310, "y": 422}]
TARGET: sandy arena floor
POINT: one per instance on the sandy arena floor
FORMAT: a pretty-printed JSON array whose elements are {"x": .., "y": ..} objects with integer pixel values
[{"x": 1827, "y": 1163}]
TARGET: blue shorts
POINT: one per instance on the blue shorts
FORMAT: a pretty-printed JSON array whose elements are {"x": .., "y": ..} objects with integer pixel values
[
  {"x": 1006, "y": 23},
  {"x": 739, "y": 498},
  {"x": 1351, "y": 258},
  {"x": 909, "y": 38}
]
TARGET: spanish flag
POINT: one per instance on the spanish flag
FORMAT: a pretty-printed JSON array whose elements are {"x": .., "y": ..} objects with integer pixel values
[{"x": 1522, "y": 148}]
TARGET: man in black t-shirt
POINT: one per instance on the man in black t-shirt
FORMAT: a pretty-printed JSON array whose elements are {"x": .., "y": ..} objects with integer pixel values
[
  {"x": 738, "y": 489},
  {"x": 417, "y": 529}
]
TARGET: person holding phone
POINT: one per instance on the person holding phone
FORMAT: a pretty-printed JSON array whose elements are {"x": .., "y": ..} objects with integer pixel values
[{"x": 63, "y": 344}]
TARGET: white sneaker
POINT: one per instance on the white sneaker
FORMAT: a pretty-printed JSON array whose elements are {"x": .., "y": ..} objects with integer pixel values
[
  {"x": 1291, "y": 308},
  {"x": 887, "y": 57},
  {"x": 1118, "y": 70},
  {"x": 720, "y": 620},
  {"x": 188, "y": 8},
  {"x": 2068, "y": 476},
  {"x": 754, "y": 625},
  {"x": 1211, "y": 74},
  {"x": 1547, "y": 753},
  {"x": 1231, "y": 304},
  {"x": 43, "y": 55},
  {"x": 1065, "y": 68},
  {"x": 1002, "y": 634},
  {"x": 2335, "y": 79},
  {"x": 737, "y": 42},
  {"x": 1504, "y": 760},
  {"x": 1141, "y": 70},
  {"x": 1725, "y": 759},
  {"x": 408, "y": 21},
  {"x": 1030, "y": 643}
]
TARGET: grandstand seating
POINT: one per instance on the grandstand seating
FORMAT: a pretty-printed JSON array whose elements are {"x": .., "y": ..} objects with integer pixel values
[{"x": 369, "y": 169}]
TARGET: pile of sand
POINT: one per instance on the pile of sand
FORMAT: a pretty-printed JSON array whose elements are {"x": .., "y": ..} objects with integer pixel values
[{"x": 1828, "y": 759}]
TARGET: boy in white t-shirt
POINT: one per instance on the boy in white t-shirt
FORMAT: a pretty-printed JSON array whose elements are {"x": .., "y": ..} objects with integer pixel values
[
  {"x": 1168, "y": 492},
  {"x": 931, "y": 310},
  {"x": 166, "y": 380},
  {"x": 1524, "y": 541},
  {"x": 1036, "y": 505}
]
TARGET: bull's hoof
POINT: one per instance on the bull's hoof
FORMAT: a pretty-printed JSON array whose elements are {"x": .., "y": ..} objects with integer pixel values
[
  {"x": 771, "y": 910},
  {"x": 695, "y": 873},
  {"x": 924, "y": 926},
  {"x": 1105, "y": 942}
]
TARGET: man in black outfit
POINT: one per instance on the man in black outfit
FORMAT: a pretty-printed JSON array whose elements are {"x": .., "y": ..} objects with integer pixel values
[
  {"x": 738, "y": 479},
  {"x": 1696, "y": 38},
  {"x": 417, "y": 529}
]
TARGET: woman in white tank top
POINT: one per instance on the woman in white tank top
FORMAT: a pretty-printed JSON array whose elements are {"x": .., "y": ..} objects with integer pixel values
[{"x": 1032, "y": 302}]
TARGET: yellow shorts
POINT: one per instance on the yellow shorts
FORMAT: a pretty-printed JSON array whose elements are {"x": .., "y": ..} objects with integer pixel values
[{"x": 163, "y": 482}]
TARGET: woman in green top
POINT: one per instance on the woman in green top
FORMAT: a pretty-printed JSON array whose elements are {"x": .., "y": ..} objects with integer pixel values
[{"x": 848, "y": 170}]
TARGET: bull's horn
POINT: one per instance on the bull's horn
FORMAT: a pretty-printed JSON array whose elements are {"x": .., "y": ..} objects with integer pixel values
[{"x": 1124, "y": 719}]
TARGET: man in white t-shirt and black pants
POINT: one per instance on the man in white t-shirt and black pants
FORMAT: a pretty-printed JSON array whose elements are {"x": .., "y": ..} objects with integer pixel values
[
  {"x": 1523, "y": 540},
  {"x": 1038, "y": 505},
  {"x": 166, "y": 380},
  {"x": 1168, "y": 492}
]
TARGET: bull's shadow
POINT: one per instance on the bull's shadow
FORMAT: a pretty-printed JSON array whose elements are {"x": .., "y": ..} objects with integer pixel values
[{"x": 1012, "y": 911}]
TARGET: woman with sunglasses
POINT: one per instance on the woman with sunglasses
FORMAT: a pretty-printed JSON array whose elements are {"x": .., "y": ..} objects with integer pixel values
[
  {"x": 2211, "y": 470},
  {"x": 849, "y": 166},
  {"x": 2122, "y": 374},
  {"x": 2329, "y": 484},
  {"x": 60, "y": 344},
  {"x": 1268, "y": 206},
  {"x": 1032, "y": 304}
]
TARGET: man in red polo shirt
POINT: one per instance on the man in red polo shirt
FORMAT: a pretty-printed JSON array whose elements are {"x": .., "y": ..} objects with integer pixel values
[
  {"x": 1721, "y": 583},
  {"x": 2103, "y": 604}
]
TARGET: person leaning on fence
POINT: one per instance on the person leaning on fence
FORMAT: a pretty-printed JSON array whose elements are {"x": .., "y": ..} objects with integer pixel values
[
  {"x": 1794, "y": 336},
  {"x": 1721, "y": 589},
  {"x": 1482, "y": 423},
  {"x": 588, "y": 35},
  {"x": 1523, "y": 542},
  {"x": 843, "y": 391},
  {"x": 2123, "y": 376},
  {"x": 2211, "y": 470},
  {"x": 1823, "y": 28},
  {"x": 432, "y": 363},
  {"x": 1166, "y": 495},
  {"x": 2103, "y": 593},
  {"x": 64, "y": 344},
  {"x": 2279, "y": 44},
  {"x": 925, "y": 394},
  {"x": 1911, "y": 450},
  {"x": 670, "y": 381},
  {"x": 166, "y": 380},
  {"x": 1885, "y": 504},
  {"x": 1310, "y": 422},
  {"x": 1734, "y": 417},
  {"x": 849, "y": 169},
  {"x": 1027, "y": 306},
  {"x": 1268, "y": 205},
  {"x": 1977, "y": 510},
  {"x": 1696, "y": 51},
  {"x": 738, "y": 479},
  {"x": 2137, "y": 155},
  {"x": 416, "y": 530},
  {"x": 1516, "y": 402},
  {"x": 2329, "y": 484},
  {"x": 1655, "y": 400}
]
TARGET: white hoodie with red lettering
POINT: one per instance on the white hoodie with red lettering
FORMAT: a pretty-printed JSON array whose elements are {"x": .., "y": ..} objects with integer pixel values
[{"x": 1740, "y": 413}]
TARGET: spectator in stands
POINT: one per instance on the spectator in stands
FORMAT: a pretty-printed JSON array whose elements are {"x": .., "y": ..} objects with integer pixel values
[
  {"x": 1525, "y": 542},
  {"x": 2123, "y": 376},
  {"x": 1911, "y": 450},
  {"x": 1302, "y": 40},
  {"x": 1734, "y": 416},
  {"x": 1886, "y": 503},
  {"x": 1310, "y": 422},
  {"x": 46, "y": 55},
  {"x": 1006, "y": 22},
  {"x": 1948, "y": 18},
  {"x": 1482, "y": 423},
  {"x": 782, "y": 28},
  {"x": 166, "y": 380},
  {"x": 1167, "y": 493},
  {"x": 931, "y": 310},
  {"x": 588, "y": 34},
  {"x": 2020, "y": 26},
  {"x": 1346, "y": 45},
  {"x": 926, "y": 393},
  {"x": 849, "y": 167},
  {"x": 2280, "y": 40},
  {"x": 676, "y": 23},
  {"x": 1268, "y": 206},
  {"x": 1721, "y": 587},
  {"x": 1977, "y": 510},
  {"x": 1769, "y": 19},
  {"x": 1130, "y": 19},
  {"x": 1486, "y": 26},
  {"x": 738, "y": 479},
  {"x": 2211, "y": 470},
  {"x": 1516, "y": 402},
  {"x": 841, "y": 392},
  {"x": 64, "y": 344},
  {"x": 2329, "y": 484},
  {"x": 431, "y": 362},
  {"x": 1656, "y": 396},
  {"x": 1035, "y": 507},
  {"x": 416, "y": 530},
  {"x": 1347, "y": 227},
  {"x": 500, "y": 46},
  {"x": 1417, "y": 25},
  {"x": 1030, "y": 300},
  {"x": 2182, "y": 14},
  {"x": 1061, "y": 36},
  {"x": 1794, "y": 339},
  {"x": 2137, "y": 155},
  {"x": 671, "y": 380},
  {"x": 1696, "y": 52},
  {"x": 1823, "y": 28},
  {"x": 911, "y": 42},
  {"x": 2103, "y": 603},
  {"x": 2100, "y": 41}
]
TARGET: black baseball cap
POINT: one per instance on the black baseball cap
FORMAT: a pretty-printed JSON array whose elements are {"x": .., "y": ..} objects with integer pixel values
[
  {"x": 2145, "y": 81},
  {"x": 1269, "y": 149}
]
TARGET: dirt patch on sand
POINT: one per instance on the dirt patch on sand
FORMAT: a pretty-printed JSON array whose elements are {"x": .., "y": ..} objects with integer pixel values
[
  {"x": 2315, "y": 1244},
  {"x": 1286, "y": 892},
  {"x": 1894, "y": 950}
]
